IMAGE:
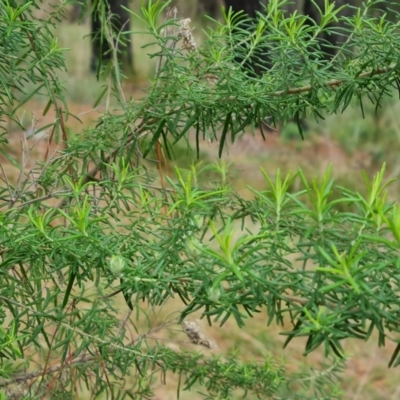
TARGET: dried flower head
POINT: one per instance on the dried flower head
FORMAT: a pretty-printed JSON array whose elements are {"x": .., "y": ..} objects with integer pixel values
[
  {"x": 193, "y": 332},
  {"x": 188, "y": 42}
]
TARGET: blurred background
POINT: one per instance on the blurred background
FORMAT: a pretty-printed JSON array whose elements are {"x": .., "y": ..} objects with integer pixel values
[{"x": 349, "y": 141}]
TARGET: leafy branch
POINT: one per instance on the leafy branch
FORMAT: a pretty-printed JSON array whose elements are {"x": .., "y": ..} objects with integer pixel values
[{"x": 116, "y": 231}]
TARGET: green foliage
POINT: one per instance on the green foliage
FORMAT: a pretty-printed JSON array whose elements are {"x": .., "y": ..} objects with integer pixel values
[
  {"x": 30, "y": 54},
  {"x": 92, "y": 222}
]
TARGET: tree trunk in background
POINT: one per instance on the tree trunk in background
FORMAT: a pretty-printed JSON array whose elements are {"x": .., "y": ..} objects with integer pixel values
[
  {"x": 120, "y": 22},
  {"x": 336, "y": 38},
  {"x": 387, "y": 7},
  {"x": 75, "y": 13},
  {"x": 212, "y": 8},
  {"x": 306, "y": 7},
  {"x": 259, "y": 60},
  {"x": 250, "y": 7}
]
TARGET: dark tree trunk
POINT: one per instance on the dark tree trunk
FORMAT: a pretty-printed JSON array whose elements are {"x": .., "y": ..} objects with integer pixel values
[
  {"x": 211, "y": 8},
  {"x": 335, "y": 38},
  {"x": 306, "y": 7},
  {"x": 250, "y": 7},
  {"x": 259, "y": 61},
  {"x": 120, "y": 22},
  {"x": 75, "y": 13}
]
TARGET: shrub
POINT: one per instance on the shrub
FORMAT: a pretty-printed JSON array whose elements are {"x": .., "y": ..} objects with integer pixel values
[{"x": 90, "y": 222}]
